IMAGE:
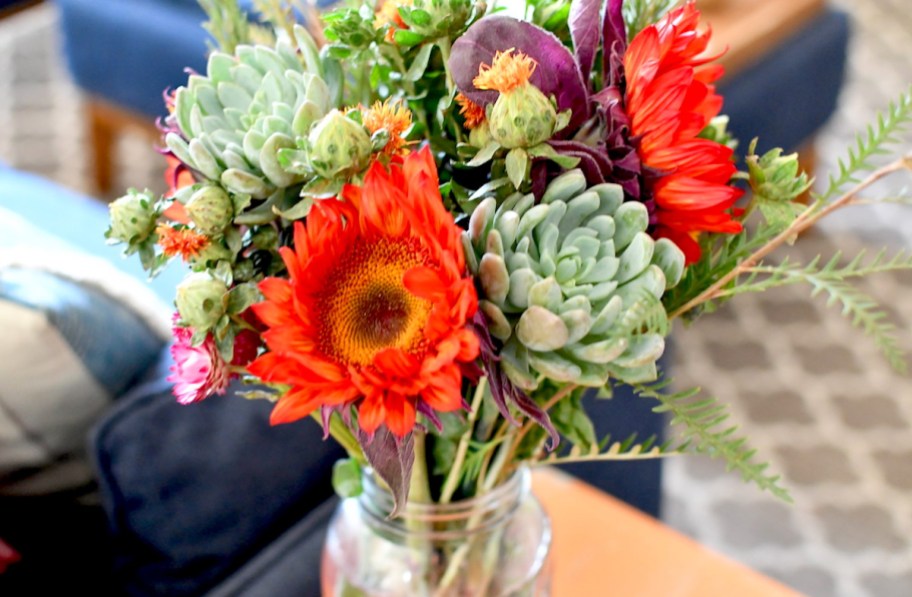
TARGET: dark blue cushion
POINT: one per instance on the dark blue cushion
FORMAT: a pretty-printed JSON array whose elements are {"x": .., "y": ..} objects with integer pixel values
[
  {"x": 193, "y": 492},
  {"x": 792, "y": 91},
  {"x": 130, "y": 51}
]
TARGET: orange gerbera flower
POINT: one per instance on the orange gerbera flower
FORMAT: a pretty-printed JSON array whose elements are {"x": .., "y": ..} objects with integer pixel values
[
  {"x": 374, "y": 310},
  {"x": 184, "y": 242},
  {"x": 670, "y": 98}
]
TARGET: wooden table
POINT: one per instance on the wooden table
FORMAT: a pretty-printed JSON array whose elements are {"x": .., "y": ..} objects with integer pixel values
[{"x": 603, "y": 547}]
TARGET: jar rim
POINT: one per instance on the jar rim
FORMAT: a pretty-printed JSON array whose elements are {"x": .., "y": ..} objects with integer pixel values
[{"x": 488, "y": 509}]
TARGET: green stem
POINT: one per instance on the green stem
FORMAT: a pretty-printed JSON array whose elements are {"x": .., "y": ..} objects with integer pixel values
[
  {"x": 419, "y": 485},
  {"x": 342, "y": 434},
  {"x": 452, "y": 480}
]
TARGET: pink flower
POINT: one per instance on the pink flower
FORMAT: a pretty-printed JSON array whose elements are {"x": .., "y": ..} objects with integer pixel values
[
  {"x": 198, "y": 371},
  {"x": 8, "y": 556}
]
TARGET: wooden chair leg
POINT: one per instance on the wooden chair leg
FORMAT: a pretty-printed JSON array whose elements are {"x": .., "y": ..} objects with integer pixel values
[{"x": 102, "y": 136}]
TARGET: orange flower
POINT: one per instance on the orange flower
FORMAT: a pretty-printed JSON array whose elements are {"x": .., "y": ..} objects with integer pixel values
[
  {"x": 387, "y": 13},
  {"x": 183, "y": 242},
  {"x": 473, "y": 113},
  {"x": 506, "y": 72},
  {"x": 375, "y": 307},
  {"x": 670, "y": 99},
  {"x": 393, "y": 116}
]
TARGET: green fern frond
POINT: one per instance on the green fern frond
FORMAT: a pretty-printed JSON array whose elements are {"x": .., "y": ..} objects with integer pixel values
[
  {"x": 608, "y": 450},
  {"x": 862, "y": 310},
  {"x": 874, "y": 142},
  {"x": 706, "y": 431},
  {"x": 646, "y": 315}
]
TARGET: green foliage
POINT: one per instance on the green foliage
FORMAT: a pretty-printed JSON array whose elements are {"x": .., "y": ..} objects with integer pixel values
[
  {"x": 706, "y": 430},
  {"x": 722, "y": 254},
  {"x": 897, "y": 116},
  {"x": 831, "y": 278},
  {"x": 550, "y": 15},
  {"x": 776, "y": 182},
  {"x": 608, "y": 450},
  {"x": 640, "y": 13},
  {"x": 230, "y": 26}
]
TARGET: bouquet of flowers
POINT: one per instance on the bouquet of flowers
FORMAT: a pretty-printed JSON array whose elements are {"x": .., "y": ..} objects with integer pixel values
[{"x": 433, "y": 227}]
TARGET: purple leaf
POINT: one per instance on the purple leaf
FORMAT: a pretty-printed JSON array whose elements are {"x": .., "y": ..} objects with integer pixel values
[
  {"x": 556, "y": 74},
  {"x": 584, "y": 30},
  {"x": 614, "y": 37},
  {"x": 392, "y": 459},
  {"x": 503, "y": 389}
]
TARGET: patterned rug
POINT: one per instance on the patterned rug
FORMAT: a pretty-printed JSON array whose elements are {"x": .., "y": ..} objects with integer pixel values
[{"x": 810, "y": 391}]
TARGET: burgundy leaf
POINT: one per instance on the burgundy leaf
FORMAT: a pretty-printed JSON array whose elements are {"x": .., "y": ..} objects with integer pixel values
[
  {"x": 557, "y": 73},
  {"x": 502, "y": 389},
  {"x": 613, "y": 30},
  {"x": 392, "y": 459},
  {"x": 584, "y": 30}
]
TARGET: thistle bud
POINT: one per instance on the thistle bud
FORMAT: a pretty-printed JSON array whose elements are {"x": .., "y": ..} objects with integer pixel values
[
  {"x": 211, "y": 210},
  {"x": 480, "y": 135},
  {"x": 132, "y": 217},
  {"x": 523, "y": 117},
  {"x": 435, "y": 18},
  {"x": 200, "y": 300},
  {"x": 339, "y": 146}
]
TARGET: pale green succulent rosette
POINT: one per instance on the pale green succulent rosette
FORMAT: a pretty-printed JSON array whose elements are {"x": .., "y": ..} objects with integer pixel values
[
  {"x": 572, "y": 285},
  {"x": 235, "y": 121}
]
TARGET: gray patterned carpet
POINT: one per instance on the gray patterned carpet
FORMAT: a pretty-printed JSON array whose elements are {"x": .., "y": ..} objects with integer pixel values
[{"x": 811, "y": 392}]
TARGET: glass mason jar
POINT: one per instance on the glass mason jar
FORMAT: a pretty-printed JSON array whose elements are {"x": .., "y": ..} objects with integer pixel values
[{"x": 495, "y": 545}]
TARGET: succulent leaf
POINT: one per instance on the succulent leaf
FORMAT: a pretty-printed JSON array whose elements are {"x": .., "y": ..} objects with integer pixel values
[{"x": 572, "y": 285}]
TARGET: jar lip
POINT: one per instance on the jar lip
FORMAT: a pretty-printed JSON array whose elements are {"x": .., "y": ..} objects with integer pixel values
[{"x": 518, "y": 484}]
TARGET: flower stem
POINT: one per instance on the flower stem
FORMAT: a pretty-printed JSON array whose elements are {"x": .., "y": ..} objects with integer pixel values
[
  {"x": 419, "y": 484},
  {"x": 344, "y": 436},
  {"x": 452, "y": 480}
]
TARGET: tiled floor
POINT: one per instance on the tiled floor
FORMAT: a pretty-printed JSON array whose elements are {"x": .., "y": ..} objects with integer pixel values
[{"x": 811, "y": 392}]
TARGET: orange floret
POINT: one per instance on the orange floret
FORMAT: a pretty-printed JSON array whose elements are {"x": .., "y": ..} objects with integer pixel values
[
  {"x": 507, "y": 72},
  {"x": 473, "y": 113},
  {"x": 395, "y": 117},
  {"x": 183, "y": 242}
]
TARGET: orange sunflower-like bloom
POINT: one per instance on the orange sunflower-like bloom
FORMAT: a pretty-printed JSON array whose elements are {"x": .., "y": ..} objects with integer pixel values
[
  {"x": 183, "y": 242},
  {"x": 374, "y": 310},
  {"x": 670, "y": 99},
  {"x": 395, "y": 117}
]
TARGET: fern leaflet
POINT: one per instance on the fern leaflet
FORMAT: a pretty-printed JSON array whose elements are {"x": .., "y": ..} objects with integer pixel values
[{"x": 705, "y": 431}]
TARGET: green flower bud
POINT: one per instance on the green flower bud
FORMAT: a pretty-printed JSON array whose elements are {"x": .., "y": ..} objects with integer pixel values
[
  {"x": 435, "y": 18},
  {"x": 480, "y": 135},
  {"x": 200, "y": 300},
  {"x": 522, "y": 117},
  {"x": 132, "y": 217},
  {"x": 211, "y": 210},
  {"x": 339, "y": 146}
]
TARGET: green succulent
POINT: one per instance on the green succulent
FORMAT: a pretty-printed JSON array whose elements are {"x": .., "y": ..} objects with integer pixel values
[
  {"x": 572, "y": 285},
  {"x": 235, "y": 120}
]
